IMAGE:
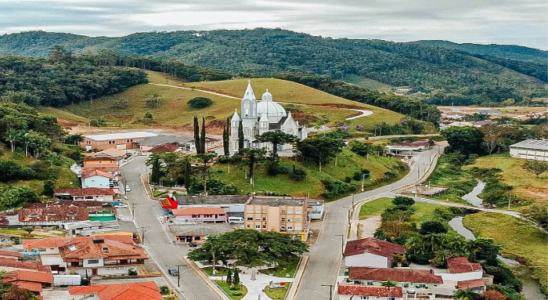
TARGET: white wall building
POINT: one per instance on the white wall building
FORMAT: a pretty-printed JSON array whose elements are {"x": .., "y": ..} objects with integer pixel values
[
  {"x": 530, "y": 149},
  {"x": 260, "y": 117}
]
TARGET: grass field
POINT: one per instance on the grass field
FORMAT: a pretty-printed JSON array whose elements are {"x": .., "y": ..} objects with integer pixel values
[
  {"x": 519, "y": 240},
  {"x": 368, "y": 83},
  {"x": 282, "y": 272},
  {"x": 423, "y": 211},
  {"x": 526, "y": 185},
  {"x": 277, "y": 294},
  {"x": 230, "y": 292},
  {"x": 62, "y": 114},
  {"x": 347, "y": 164}
]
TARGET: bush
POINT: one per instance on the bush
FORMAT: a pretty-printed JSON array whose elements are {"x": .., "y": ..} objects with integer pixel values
[
  {"x": 274, "y": 169},
  {"x": 337, "y": 188},
  {"x": 164, "y": 290},
  {"x": 237, "y": 293},
  {"x": 348, "y": 179},
  {"x": 132, "y": 272},
  {"x": 200, "y": 102},
  {"x": 297, "y": 174},
  {"x": 403, "y": 201},
  {"x": 358, "y": 176}
]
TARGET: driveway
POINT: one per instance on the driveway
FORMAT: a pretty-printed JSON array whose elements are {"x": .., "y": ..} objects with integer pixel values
[{"x": 147, "y": 219}]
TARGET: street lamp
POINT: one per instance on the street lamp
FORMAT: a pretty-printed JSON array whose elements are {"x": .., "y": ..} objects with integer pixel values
[{"x": 363, "y": 182}]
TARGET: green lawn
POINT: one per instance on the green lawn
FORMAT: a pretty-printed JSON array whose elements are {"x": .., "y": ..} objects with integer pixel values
[
  {"x": 519, "y": 240},
  {"x": 223, "y": 285},
  {"x": 423, "y": 211},
  {"x": 277, "y": 294},
  {"x": 282, "y": 272},
  {"x": 221, "y": 271},
  {"x": 347, "y": 164}
]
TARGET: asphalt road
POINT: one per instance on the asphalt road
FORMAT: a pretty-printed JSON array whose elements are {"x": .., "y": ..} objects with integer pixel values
[
  {"x": 326, "y": 254},
  {"x": 156, "y": 243}
]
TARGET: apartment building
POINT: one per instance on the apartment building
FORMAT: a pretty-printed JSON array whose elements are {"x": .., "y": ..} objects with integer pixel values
[{"x": 280, "y": 214}]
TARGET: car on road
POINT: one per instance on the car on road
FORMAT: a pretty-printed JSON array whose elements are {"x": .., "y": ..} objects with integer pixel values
[
  {"x": 127, "y": 188},
  {"x": 173, "y": 272},
  {"x": 121, "y": 205}
]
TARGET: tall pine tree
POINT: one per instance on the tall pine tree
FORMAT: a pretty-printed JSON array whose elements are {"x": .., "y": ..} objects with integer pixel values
[
  {"x": 197, "y": 141},
  {"x": 187, "y": 174},
  {"x": 203, "y": 137},
  {"x": 226, "y": 141},
  {"x": 240, "y": 136},
  {"x": 156, "y": 173}
]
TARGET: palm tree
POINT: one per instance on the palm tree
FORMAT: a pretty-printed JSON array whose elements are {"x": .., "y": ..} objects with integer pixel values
[{"x": 388, "y": 284}]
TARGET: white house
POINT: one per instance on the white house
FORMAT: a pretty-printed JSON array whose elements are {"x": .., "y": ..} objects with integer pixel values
[
  {"x": 260, "y": 117},
  {"x": 97, "y": 179},
  {"x": 460, "y": 269},
  {"x": 530, "y": 149},
  {"x": 371, "y": 252}
]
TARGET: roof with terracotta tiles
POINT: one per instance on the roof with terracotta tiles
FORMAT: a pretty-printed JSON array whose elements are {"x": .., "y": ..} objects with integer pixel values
[
  {"x": 11, "y": 254},
  {"x": 26, "y": 265},
  {"x": 457, "y": 265},
  {"x": 197, "y": 211},
  {"x": 53, "y": 212},
  {"x": 85, "y": 191},
  {"x": 374, "y": 246},
  {"x": 397, "y": 275},
  {"x": 92, "y": 173},
  {"x": 470, "y": 284},
  {"x": 123, "y": 291},
  {"x": 30, "y": 244},
  {"x": 167, "y": 147},
  {"x": 110, "y": 152},
  {"x": 29, "y": 278},
  {"x": 368, "y": 290},
  {"x": 31, "y": 286}
]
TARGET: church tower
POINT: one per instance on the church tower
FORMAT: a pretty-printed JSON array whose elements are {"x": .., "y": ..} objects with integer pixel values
[
  {"x": 234, "y": 124},
  {"x": 249, "y": 103}
]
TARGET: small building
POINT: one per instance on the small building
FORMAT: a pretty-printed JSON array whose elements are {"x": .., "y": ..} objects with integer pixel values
[
  {"x": 461, "y": 269},
  {"x": 88, "y": 228},
  {"x": 200, "y": 215},
  {"x": 410, "y": 146},
  {"x": 150, "y": 143},
  {"x": 8, "y": 265},
  {"x": 315, "y": 209},
  {"x": 165, "y": 148},
  {"x": 11, "y": 255},
  {"x": 197, "y": 233},
  {"x": 350, "y": 292},
  {"x": 120, "y": 141},
  {"x": 211, "y": 144},
  {"x": 122, "y": 291},
  {"x": 102, "y": 163},
  {"x": 97, "y": 179},
  {"x": 530, "y": 149},
  {"x": 371, "y": 252},
  {"x": 476, "y": 285},
  {"x": 85, "y": 194},
  {"x": 34, "y": 281},
  {"x": 62, "y": 212},
  {"x": 110, "y": 152}
]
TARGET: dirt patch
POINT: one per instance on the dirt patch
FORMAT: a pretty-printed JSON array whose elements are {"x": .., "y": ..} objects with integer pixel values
[
  {"x": 368, "y": 226},
  {"x": 303, "y": 118},
  {"x": 66, "y": 123}
]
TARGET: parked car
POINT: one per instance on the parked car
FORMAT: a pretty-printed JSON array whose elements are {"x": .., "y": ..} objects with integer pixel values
[
  {"x": 127, "y": 188},
  {"x": 173, "y": 272},
  {"x": 121, "y": 205},
  {"x": 193, "y": 245}
]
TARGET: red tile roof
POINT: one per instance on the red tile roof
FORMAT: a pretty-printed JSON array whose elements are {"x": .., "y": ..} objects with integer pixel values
[
  {"x": 107, "y": 169},
  {"x": 31, "y": 286},
  {"x": 167, "y": 147},
  {"x": 26, "y": 265},
  {"x": 33, "y": 276},
  {"x": 457, "y": 265},
  {"x": 470, "y": 284},
  {"x": 29, "y": 244},
  {"x": 11, "y": 254},
  {"x": 198, "y": 211},
  {"x": 85, "y": 191},
  {"x": 123, "y": 291},
  {"x": 374, "y": 246},
  {"x": 368, "y": 290},
  {"x": 96, "y": 173},
  {"x": 397, "y": 275}
]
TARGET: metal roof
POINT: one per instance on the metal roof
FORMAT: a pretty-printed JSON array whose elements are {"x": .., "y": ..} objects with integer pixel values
[
  {"x": 532, "y": 144},
  {"x": 120, "y": 136}
]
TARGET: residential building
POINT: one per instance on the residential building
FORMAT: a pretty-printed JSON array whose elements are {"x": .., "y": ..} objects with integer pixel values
[
  {"x": 85, "y": 194},
  {"x": 103, "y": 163},
  {"x": 110, "y": 152},
  {"x": 476, "y": 285},
  {"x": 62, "y": 212},
  {"x": 260, "y": 117},
  {"x": 281, "y": 214},
  {"x": 89, "y": 256},
  {"x": 315, "y": 209},
  {"x": 530, "y": 149},
  {"x": 121, "y": 291},
  {"x": 461, "y": 269},
  {"x": 371, "y": 252},
  {"x": 11, "y": 255},
  {"x": 8, "y": 265},
  {"x": 120, "y": 141},
  {"x": 200, "y": 215},
  {"x": 165, "y": 148},
  {"x": 34, "y": 281},
  {"x": 150, "y": 143},
  {"x": 355, "y": 292},
  {"x": 97, "y": 179},
  {"x": 197, "y": 233}
]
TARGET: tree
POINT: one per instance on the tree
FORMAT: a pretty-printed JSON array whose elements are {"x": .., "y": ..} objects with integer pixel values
[
  {"x": 58, "y": 54},
  {"x": 14, "y": 136},
  {"x": 226, "y": 141},
  {"x": 429, "y": 227},
  {"x": 467, "y": 140},
  {"x": 253, "y": 155},
  {"x": 197, "y": 140},
  {"x": 229, "y": 277},
  {"x": 199, "y": 102},
  {"x": 153, "y": 100},
  {"x": 537, "y": 213},
  {"x": 403, "y": 201},
  {"x": 13, "y": 197},
  {"x": 37, "y": 142},
  {"x": 205, "y": 159},
  {"x": 320, "y": 150},
  {"x": 492, "y": 137},
  {"x": 276, "y": 138},
  {"x": 241, "y": 143},
  {"x": 203, "y": 137},
  {"x": 236, "y": 280},
  {"x": 9, "y": 170},
  {"x": 362, "y": 149},
  {"x": 16, "y": 293},
  {"x": 148, "y": 118},
  {"x": 535, "y": 166},
  {"x": 493, "y": 295},
  {"x": 484, "y": 249},
  {"x": 164, "y": 290},
  {"x": 74, "y": 139},
  {"x": 156, "y": 173},
  {"x": 187, "y": 174},
  {"x": 49, "y": 188},
  {"x": 389, "y": 284}
]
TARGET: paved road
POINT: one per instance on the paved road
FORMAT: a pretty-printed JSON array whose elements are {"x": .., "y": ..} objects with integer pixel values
[
  {"x": 159, "y": 248},
  {"x": 326, "y": 254}
]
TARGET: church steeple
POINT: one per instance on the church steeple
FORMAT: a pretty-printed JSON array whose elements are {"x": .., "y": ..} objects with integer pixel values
[
  {"x": 249, "y": 103},
  {"x": 249, "y": 94}
]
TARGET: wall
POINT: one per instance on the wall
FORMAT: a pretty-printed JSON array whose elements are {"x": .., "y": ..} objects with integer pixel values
[
  {"x": 367, "y": 260},
  {"x": 105, "y": 271},
  {"x": 104, "y": 198},
  {"x": 529, "y": 154},
  {"x": 88, "y": 265},
  {"x": 461, "y": 276}
]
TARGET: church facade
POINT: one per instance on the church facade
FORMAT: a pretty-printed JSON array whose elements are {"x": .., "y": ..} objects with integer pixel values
[{"x": 258, "y": 117}]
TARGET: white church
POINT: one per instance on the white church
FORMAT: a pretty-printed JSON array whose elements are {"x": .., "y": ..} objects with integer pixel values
[{"x": 262, "y": 116}]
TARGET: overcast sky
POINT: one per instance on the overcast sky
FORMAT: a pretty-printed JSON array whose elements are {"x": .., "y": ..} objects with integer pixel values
[{"x": 519, "y": 22}]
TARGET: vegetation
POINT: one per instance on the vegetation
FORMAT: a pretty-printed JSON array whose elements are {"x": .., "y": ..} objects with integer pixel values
[
  {"x": 278, "y": 293},
  {"x": 200, "y": 102},
  {"x": 536, "y": 167},
  {"x": 526, "y": 243},
  {"x": 425, "y": 68},
  {"x": 283, "y": 270},
  {"x": 234, "y": 293}
]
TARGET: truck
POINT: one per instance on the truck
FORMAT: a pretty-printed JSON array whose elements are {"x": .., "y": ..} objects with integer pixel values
[{"x": 67, "y": 280}]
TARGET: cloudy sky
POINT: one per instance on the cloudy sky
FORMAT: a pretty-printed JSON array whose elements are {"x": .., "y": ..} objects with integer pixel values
[{"x": 520, "y": 22}]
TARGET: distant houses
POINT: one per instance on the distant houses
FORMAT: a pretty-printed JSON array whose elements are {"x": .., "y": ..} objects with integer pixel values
[{"x": 120, "y": 141}]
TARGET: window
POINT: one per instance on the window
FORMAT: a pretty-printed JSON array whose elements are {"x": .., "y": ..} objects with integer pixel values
[
  {"x": 290, "y": 211},
  {"x": 194, "y": 216},
  {"x": 289, "y": 228},
  {"x": 257, "y": 226},
  {"x": 297, "y": 227},
  {"x": 248, "y": 226},
  {"x": 288, "y": 220},
  {"x": 264, "y": 226},
  {"x": 105, "y": 250},
  {"x": 264, "y": 219},
  {"x": 283, "y": 211},
  {"x": 283, "y": 219},
  {"x": 257, "y": 219},
  {"x": 250, "y": 218},
  {"x": 298, "y": 212},
  {"x": 364, "y": 297},
  {"x": 258, "y": 211},
  {"x": 370, "y": 283},
  {"x": 93, "y": 261}
]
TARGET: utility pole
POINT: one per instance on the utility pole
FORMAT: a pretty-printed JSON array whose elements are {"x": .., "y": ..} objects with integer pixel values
[
  {"x": 330, "y": 290},
  {"x": 143, "y": 231},
  {"x": 363, "y": 182},
  {"x": 353, "y": 196},
  {"x": 133, "y": 211},
  {"x": 179, "y": 276}
]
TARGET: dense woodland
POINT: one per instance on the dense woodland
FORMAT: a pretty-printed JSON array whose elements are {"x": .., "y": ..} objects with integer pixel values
[{"x": 509, "y": 71}]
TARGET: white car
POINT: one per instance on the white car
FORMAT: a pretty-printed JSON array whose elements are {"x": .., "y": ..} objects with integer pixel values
[
  {"x": 121, "y": 205},
  {"x": 128, "y": 189}
]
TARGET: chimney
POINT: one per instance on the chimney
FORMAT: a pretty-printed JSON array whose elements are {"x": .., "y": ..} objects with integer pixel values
[{"x": 431, "y": 271}]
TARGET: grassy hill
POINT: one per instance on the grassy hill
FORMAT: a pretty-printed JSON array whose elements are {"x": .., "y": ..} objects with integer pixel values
[
  {"x": 126, "y": 109},
  {"x": 429, "y": 68}
]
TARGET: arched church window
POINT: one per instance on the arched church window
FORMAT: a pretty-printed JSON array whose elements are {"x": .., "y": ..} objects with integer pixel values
[{"x": 247, "y": 112}]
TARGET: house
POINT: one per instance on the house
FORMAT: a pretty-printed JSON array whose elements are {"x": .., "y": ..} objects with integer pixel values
[
  {"x": 97, "y": 179},
  {"x": 85, "y": 194},
  {"x": 286, "y": 215},
  {"x": 87, "y": 228},
  {"x": 197, "y": 233},
  {"x": 62, "y": 212},
  {"x": 167, "y": 147},
  {"x": 476, "y": 285},
  {"x": 406, "y": 278},
  {"x": 530, "y": 149},
  {"x": 8, "y": 265},
  {"x": 200, "y": 215},
  {"x": 150, "y": 143},
  {"x": 120, "y": 141},
  {"x": 349, "y": 292},
  {"x": 34, "y": 281},
  {"x": 103, "y": 163},
  {"x": 111, "y": 152},
  {"x": 10, "y": 255},
  {"x": 89, "y": 256},
  {"x": 371, "y": 252},
  {"x": 122, "y": 291},
  {"x": 461, "y": 269},
  {"x": 315, "y": 209}
]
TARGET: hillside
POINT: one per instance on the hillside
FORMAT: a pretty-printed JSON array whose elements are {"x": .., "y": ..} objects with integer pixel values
[
  {"x": 467, "y": 78},
  {"x": 126, "y": 109}
]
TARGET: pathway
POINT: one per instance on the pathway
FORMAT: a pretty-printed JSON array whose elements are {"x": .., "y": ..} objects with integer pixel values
[
  {"x": 255, "y": 287},
  {"x": 365, "y": 113}
]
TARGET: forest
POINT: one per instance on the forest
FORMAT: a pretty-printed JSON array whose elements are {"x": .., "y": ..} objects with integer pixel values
[{"x": 436, "y": 69}]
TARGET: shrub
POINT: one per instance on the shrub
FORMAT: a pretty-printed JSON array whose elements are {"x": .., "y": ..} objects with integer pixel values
[
  {"x": 200, "y": 102},
  {"x": 164, "y": 290},
  {"x": 132, "y": 272},
  {"x": 337, "y": 188},
  {"x": 298, "y": 174},
  {"x": 348, "y": 179},
  {"x": 237, "y": 293}
]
